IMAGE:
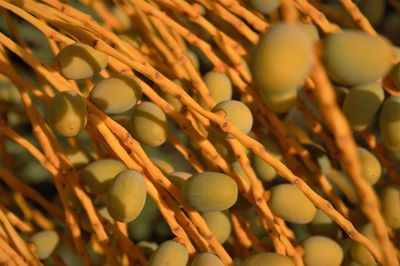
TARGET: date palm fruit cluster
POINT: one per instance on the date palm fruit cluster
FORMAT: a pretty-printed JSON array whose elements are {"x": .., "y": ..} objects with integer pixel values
[{"x": 202, "y": 133}]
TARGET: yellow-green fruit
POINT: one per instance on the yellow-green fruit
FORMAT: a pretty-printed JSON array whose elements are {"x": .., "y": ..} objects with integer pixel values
[
  {"x": 318, "y": 153},
  {"x": 178, "y": 178},
  {"x": 353, "y": 57},
  {"x": 221, "y": 145},
  {"x": 236, "y": 166},
  {"x": 193, "y": 59},
  {"x": 390, "y": 199},
  {"x": 219, "y": 86},
  {"x": 370, "y": 165},
  {"x": 321, "y": 250},
  {"x": 78, "y": 158},
  {"x": 359, "y": 253},
  {"x": 147, "y": 248},
  {"x": 389, "y": 125},
  {"x": 322, "y": 224},
  {"x": 282, "y": 58},
  {"x": 45, "y": 243},
  {"x": 164, "y": 166},
  {"x": 219, "y": 225},
  {"x": 80, "y": 61},
  {"x": 361, "y": 105},
  {"x": 344, "y": 184},
  {"x": 8, "y": 91},
  {"x": 124, "y": 120},
  {"x": 265, "y": 6},
  {"x": 117, "y": 94},
  {"x": 171, "y": 99},
  {"x": 280, "y": 102},
  {"x": 237, "y": 113},
  {"x": 311, "y": 30},
  {"x": 98, "y": 175},
  {"x": 67, "y": 113},
  {"x": 126, "y": 196},
  {"x": 207, "y": 259},
  {"x": 72, "y": 199},
  {"x": 373, "y": 10},
  {"x": 134, "y": 41},
  {"x": 149, "y": 124},
  {"x": 241, "y": 204},
  {"x": 119, "y": 14},
  {"x": 105, "y": 214},
  {"x": 263, "y": 170},
  {"x": 169, "y": 253},
  {"x": 210, "y": 191},
  {"x": 289, "y": 203},
  {"x": 292, "y": 124},
  {"x": 267, "y": 259}
]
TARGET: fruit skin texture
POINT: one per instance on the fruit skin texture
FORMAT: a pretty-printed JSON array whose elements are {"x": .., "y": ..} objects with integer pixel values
[
  {"x": 370, "y": 165},
  {"x": 322, "y": 224},
  {"x": 361, "y": 105},
  {"x": 193, "y": 59},
  {"x": 45, "y": 243},
  {"x": 97, "y": 176},
  {"x": 126, "y": 196},
  {"x": 220, "y": 143},
  {"x": 352, "y": 57},
  {"x": 173, "y": 100},
  {"x": 207, "y": 259},
  {"x": 241, "y": 204},
  {"x": 124, "y": 120},
  {"x": 265, "y": 7},
  {"x": 267, "y": 259},
  {"x": 282, "y": 58},
  {"x": 80, "y": 61},
  {"x": 164, "y": 166},
  {"x": 78, "y": 158},
  {"x": 390, "y": 198},
  {"x": 117, "y": 94},
  {"x": 373, "y": 10},
  {"x": 149, "y": 124},
  {"x": 264, "y": 171},
  {"x": 169, "y": 253},
  {"x": 219, "y": 86},
  {"x": 280, "y": 102},
  {"x": 321, "y": 250},
  {"x": 67, "y": 113},
  {"x": 288, "y": 202},
  {"x": 311, "y": 30},
  {"x": 237, "y": 113},
  {"x": 178, "y": 178},
  {"x": 147, "y": 247},
  {"x": 219, "y": 225},
  {"x": 210, "y": 191},
  {"x": 319, "y": 154},
  {"x": 389, "y": 125},
  {"x": 359, "y": 253}
]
